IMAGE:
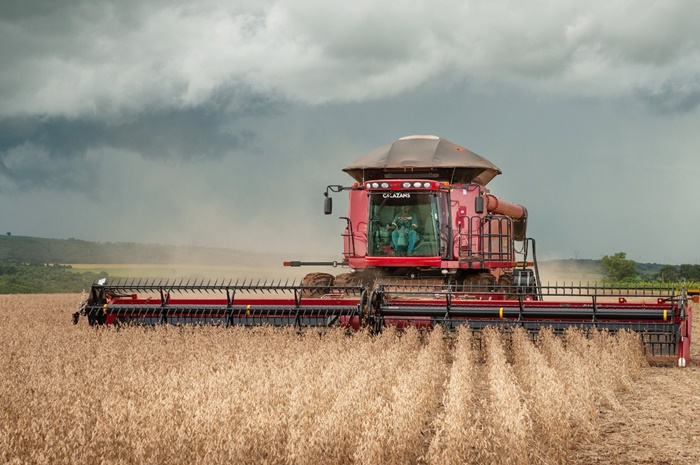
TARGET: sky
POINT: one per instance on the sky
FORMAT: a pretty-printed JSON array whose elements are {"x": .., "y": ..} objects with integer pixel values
[{"x": 220, "y": 123}]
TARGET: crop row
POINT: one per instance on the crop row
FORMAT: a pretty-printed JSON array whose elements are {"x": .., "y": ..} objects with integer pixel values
[{"x": 75, "y": 394}]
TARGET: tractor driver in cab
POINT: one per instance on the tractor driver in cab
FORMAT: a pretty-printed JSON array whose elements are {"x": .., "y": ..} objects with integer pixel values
[{"x": 403, "y": 228}]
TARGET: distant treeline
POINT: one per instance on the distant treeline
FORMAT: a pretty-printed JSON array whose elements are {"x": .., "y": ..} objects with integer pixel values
[
  {"x": 32, "y": 264},
  {"x": 36, "y": 250},
  {"x": 22, "y": 278},
  {"x": 685, "y": 272},
  {"x": 644, "y": 271}
]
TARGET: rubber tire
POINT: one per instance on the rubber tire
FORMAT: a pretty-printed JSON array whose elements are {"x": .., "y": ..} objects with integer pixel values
[
  {"x": 505, "y": 282},
  {"x": 348, "y": 279},
  {"x": 324, "y": 280}
]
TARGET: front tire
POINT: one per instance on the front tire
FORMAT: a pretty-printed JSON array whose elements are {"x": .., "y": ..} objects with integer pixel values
[{"x": 319, "y": 282}]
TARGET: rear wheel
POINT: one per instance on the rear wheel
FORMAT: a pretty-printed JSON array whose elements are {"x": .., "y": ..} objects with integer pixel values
[
  {"x": 505, "y": 285},
  {"x": 320, "y": 281},
  {"x": 348, "y": 279},
  {"x": 480, "y": 282}
]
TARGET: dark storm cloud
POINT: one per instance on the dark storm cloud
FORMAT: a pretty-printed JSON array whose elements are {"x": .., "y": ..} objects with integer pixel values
[
  {"x": 53, "y": 153},
  {"x": 235, "y": 99},
  {"x": 37, "y": 153},
  {"x": 673, "y": 97},
  {"x": 108, "y": 60},
  {"x": 50, "y": 152},
  {"x": 30, "y": 167},
  {"x": 92, "y": 76}
]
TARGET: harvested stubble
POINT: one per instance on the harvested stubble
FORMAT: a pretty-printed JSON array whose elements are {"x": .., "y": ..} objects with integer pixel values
[{"x": 216, "y": 395}]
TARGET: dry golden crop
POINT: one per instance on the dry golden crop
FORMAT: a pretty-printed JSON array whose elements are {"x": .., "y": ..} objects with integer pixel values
[{"x": 76, "y": 394}]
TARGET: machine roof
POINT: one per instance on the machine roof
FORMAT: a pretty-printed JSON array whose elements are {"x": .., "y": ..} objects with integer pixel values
[{"x": 429, "y": 157}]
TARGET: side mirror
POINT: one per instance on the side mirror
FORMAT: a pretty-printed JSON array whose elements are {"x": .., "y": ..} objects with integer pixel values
[
  {"x": 479, "y": 204},
  {"x": 328, "y": 205}
]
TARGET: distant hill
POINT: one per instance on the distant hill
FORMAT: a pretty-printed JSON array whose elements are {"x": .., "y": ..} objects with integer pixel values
[
  {"x": 25, "y": 249},
  {"x": 40, "y": 265}
]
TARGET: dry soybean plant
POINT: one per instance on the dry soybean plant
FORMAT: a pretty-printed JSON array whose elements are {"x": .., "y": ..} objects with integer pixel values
[
  {"x": 545, "y": 395},
  {"x": 459, "y": 429},
  {"x": 76, "y": 394}
]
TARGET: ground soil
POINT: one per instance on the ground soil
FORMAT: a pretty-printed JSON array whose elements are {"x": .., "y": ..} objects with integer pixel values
[{"x": 658, "y": 422}]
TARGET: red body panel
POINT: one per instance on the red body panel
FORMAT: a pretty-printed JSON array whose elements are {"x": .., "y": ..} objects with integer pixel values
[
  {"x": 411, "y": 262},
  {"x": 221, "y": 302},
  {"x": 355, "y": 239},
  {"x": 464, "y": 218}
]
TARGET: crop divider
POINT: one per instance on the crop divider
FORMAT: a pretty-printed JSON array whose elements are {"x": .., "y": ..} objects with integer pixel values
[{"x": 164, "y": 298}]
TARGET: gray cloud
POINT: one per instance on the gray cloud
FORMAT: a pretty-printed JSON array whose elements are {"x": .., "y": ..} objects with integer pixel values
[
  {"x": 105, "y": 60},
  {"x": 214, "y": 122},
  {"x": 673, "y": 96},
  {"x": 50, "y": 152},
  {"x": 29, "y": 167}
]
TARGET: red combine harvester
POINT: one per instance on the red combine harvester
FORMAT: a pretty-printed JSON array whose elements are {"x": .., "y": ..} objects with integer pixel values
[{"x": 425, "y": 244}]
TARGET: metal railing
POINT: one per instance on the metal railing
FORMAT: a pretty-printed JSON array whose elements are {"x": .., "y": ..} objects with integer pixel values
[{"x": 487, "y": 238}]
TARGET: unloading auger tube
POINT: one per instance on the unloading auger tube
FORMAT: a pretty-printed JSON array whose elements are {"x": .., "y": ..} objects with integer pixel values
[
  {"x": 516, "y": 212},
  {"x": 661, "y": 315}
]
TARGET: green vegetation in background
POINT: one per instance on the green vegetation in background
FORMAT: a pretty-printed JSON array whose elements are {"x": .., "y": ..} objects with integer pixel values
[
  {"x": 679, "y": 273},
  {"x": 24, "y": 249},
  {"x": 22, "y": 278},
  {"x": 621, "y": 271},
  {"x": 24, "y": 269},
  {"x": 618, "y": 268}
]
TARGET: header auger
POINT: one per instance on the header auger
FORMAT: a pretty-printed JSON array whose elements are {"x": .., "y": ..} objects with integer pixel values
[
  {"x": 425, "y": 244},
  {"x": 201, "y": 301}
]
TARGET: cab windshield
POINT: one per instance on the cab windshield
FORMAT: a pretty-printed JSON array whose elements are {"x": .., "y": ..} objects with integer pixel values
[{"x": 403, "y": 224}]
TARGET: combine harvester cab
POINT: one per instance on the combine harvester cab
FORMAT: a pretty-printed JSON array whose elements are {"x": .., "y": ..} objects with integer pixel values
[
  {"x": 425, "y": 244},
  {"x": 420, "y": 211}
]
